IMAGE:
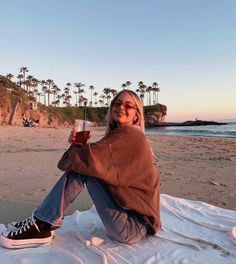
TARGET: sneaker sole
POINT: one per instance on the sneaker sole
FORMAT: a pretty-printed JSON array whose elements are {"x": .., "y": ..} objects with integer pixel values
[{"x": 24, "y": 243}]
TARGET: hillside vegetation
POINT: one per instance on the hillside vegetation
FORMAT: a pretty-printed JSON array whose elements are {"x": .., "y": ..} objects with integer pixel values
[{"x": 14, "y": 102}]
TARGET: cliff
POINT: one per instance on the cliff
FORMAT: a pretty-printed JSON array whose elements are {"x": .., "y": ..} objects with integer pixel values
[
  {"x": 155, "y": 115},
  {"x": 14, "y": 103}
]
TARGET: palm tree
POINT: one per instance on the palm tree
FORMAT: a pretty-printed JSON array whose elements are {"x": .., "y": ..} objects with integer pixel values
[
  {"x": 63, "y": 99},
  {"x": 29, "y": 83},
  {"x": 55, "y": 90},
  {"x": 113, "y": 92},
  {"x": 142, "y": 92},
  {"x": 108, "y": 99},
  {"x": 42, "y": 83},
  {"x": 91, "y": 87},
  {"x": 142, "y": 98},
  {"x": 138, "y": 91},
  {"x": 102, "y": 99},
  {"x": 20, "y": 77},
  {"x": 123, "y": 85},
  {"x": 44, "y": 90},
  {"x": 57, "y": 102},
  {"x": 76, "y": 97},
  {"x": 24, "y": 70},
  {"x": 78, "y": 85},
  {"x": 66, "y": 92},
  {"x": 68, "y": 85},
  {"x": 48, "y": 91},
  {"x": 58, "y": 99},
  {"x": 148, "y": 90},
  {"x": 106, "y": 91},
  {"x": 9, "y": 76},
  {"x": 81, "y": 96},
  {"x": 34, "y": 93},
  {"x": 156, "y": 90},
  {"x": 128, "y": 83},
  {"x": 101, "y": 102},
  {"x": 95, "y": 95},
  {"x": 141, "y": 89},
  {"x": 38, "y": 96},
  {"x": 82, "y": 100},
  {"x": 67, "y": 99},
  {"x": 140, "y": 83},
  {"x": 35, "y": 82}
]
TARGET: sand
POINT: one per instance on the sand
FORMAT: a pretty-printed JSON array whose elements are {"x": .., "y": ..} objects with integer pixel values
[{"x": 196, "y": 168}]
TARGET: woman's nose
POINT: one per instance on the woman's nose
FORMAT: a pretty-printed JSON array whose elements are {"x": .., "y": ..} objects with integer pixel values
[{"x": 121, "y": 105}]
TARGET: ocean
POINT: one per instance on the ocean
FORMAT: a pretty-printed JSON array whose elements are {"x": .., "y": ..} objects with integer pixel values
[{"x": 226, "y": 131}]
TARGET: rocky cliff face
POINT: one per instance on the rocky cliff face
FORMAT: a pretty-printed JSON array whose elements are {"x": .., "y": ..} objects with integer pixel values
[
  {"x": 43, "y": 117},
  {"x": 155, "y": 115},
  {"x": 14, "y": 103}
]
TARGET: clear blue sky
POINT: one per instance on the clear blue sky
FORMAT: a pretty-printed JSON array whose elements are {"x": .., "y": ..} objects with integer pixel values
[{"x": 187, "y": 46}]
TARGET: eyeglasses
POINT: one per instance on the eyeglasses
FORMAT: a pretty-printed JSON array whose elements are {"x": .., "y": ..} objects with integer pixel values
[{"x": 126, "y": 105}]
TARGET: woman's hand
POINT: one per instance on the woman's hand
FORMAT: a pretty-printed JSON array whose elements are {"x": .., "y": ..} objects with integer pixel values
[
  {"x": 71, "y": 138},
  {"x": 78, "y": 138}
]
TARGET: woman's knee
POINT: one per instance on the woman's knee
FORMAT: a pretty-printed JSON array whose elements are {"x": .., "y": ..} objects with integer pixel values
[
  {"x": 128, "y": 234},
  {"x": 124, "y": 238}
]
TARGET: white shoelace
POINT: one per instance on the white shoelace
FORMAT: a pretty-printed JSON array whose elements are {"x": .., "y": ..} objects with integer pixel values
[
  {"x": 25, "y": 226},
  {"x": 23, "y": 222}
]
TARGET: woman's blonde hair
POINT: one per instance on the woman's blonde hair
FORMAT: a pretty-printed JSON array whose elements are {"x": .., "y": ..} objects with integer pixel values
[{"x": 111, "y": 124}]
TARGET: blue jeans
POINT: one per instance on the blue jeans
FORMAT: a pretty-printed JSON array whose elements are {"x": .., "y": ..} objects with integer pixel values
[{"x": 124, "y": 225}]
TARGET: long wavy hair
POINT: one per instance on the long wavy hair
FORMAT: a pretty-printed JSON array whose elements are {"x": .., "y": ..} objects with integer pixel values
[{"x": 111, "y": 124}]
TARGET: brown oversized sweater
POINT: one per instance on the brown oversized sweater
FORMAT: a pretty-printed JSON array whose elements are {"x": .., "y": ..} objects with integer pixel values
[{"x": 123, "y": 160}]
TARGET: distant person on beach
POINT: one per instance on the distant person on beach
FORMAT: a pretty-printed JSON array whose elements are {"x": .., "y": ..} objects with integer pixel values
[
  {"x": 35, "y": 123},
  {"x": 29, "y": 123},
  {"x": 26, "y": 122},
  {"x": 120, "y": 177}
]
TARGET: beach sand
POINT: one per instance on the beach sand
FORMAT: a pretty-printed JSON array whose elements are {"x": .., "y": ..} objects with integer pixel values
[{"x": 196, "y": 168}]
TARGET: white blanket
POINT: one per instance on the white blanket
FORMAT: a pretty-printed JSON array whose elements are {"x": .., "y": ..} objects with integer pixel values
[{"x": 193, "y": 232}]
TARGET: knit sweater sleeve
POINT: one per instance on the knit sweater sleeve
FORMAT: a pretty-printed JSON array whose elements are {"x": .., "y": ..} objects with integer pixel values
[{"x": 93, "y": 159}]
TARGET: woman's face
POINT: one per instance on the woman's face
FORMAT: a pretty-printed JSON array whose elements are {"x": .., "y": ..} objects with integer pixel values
[{"x": 124, "y": 111}]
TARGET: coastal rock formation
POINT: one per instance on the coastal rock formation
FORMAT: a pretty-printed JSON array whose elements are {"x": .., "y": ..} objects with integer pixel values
[
  {"x": 155, "y": 115},
  {"x": 193, "y": 123}
]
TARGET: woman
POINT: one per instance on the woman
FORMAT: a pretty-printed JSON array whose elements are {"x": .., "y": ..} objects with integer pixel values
[{"x": 120, "y": 177}]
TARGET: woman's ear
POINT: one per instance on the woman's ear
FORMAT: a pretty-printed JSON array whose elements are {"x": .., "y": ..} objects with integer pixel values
[{"x": 135, "y": 119}]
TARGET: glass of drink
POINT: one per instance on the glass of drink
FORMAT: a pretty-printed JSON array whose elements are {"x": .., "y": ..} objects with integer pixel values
[{"x": 82, "y": 131}]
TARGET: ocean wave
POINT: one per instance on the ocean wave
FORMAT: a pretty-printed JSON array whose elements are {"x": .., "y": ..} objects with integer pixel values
[{"x": 227, "y": 131}]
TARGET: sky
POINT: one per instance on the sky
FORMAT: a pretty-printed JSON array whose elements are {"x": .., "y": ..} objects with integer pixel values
[{"x": 187, "y": 46}]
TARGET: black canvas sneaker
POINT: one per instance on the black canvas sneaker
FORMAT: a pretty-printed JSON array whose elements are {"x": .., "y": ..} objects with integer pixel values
[{"x": 31, "y": 233}]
